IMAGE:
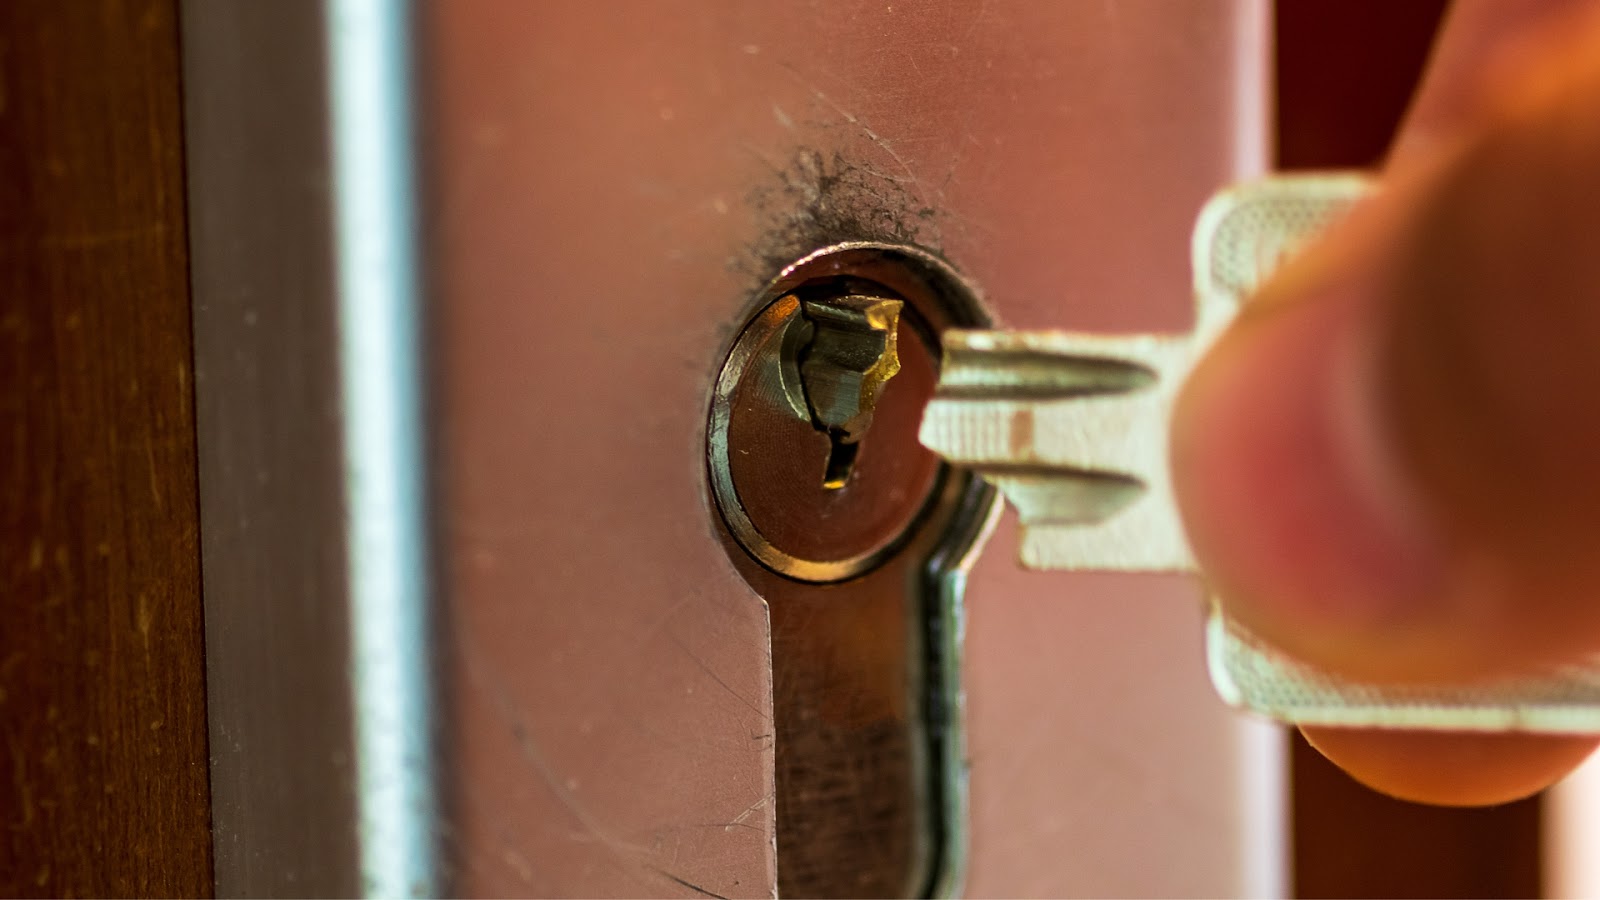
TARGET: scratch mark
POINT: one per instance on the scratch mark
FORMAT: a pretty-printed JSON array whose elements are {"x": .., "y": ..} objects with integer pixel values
[
  {"x": 690, "y": 885},
  {"x": 748, "y": 812},
  {"x": 975, "y": 18},
  {"x": 155, "y": 474},
  {"x": 717, "y": 678},
  {"x": 882, "y": 144},
  {"x": 627, "y": 854},
  {"x": 819, "y": 199},
  {"x": 530, "y": 752},
  {"x": 660, "y": 623},
  {"x": 729, "y": 826}
]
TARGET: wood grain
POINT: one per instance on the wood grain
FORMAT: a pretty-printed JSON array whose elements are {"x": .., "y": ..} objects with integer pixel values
[
  {"x": 103, "y": 784},
  {"x": 1346, "y": 70}
]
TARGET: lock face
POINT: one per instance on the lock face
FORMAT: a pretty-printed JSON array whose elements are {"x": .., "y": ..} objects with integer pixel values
[
  {"x": 860, "y": 570},
  {"x": 608, "y": 202}
]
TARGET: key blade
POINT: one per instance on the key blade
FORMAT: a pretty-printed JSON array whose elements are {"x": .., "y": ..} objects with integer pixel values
[
  {"x": 1072, "y": 430},
  {"x": 1073, "y": 427}
]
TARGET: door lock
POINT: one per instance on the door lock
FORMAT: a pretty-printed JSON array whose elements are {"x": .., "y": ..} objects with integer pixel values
[{"x": 855, "y": 537}]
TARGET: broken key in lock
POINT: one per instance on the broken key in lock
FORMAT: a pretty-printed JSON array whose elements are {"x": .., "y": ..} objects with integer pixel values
[
  {"x": 844, "y": 366},
  {"x": 1072, "y": 428}
]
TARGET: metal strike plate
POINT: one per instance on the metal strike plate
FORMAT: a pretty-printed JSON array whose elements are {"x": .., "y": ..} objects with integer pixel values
[{"x": 1072, "y": 428}]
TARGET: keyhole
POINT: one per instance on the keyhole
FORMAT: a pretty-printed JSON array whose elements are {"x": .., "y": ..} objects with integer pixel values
[{"x": 841, "y": 461}]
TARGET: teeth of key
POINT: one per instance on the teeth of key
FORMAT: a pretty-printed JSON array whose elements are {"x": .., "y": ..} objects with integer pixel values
[{"x": 1072, "y": 428}]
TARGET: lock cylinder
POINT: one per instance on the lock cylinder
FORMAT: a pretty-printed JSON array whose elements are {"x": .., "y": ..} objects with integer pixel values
[
  {"x": 854, "y": 536},
  {"x": 812, "y": 447}
]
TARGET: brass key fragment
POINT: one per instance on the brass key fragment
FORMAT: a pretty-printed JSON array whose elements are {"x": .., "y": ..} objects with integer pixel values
[{"x": 845, "y": 366}]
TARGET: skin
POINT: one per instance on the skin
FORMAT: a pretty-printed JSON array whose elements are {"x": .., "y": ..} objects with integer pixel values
[{"x": 1390, "y": 466}]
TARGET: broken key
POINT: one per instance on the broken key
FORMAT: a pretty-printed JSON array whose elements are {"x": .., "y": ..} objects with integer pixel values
[{"x": 1072, "y": 429}]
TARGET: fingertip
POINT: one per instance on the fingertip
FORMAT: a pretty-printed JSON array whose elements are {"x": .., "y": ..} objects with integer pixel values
[{"x": 1452, "y": 768}]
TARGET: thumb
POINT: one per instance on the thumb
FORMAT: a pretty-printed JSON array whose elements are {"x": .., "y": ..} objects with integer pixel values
[{"x": 1390, "y": 466}]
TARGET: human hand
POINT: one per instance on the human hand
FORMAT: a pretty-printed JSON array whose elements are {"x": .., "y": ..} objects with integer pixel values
[{"x": 1390, "y": 466}]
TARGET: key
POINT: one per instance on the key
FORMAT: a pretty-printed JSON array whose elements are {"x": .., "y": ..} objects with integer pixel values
[{"x": 1072, "y": 429}]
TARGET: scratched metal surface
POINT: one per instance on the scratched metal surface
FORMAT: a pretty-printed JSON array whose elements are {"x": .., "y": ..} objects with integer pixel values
[{"x": 608, "y": 188}]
